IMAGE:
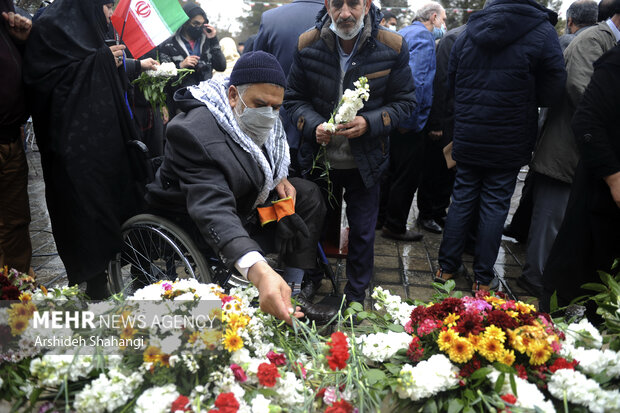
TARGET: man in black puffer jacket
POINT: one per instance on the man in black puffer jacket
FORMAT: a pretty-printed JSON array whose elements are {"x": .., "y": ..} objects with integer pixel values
[
  {"x": 507, "y": 63},
  {"x": 328, "y": 61}
]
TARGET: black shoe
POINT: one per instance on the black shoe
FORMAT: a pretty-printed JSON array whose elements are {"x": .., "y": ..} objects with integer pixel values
[
  {"x": 511, "y": 233},
  {"x": 441, "y": 221},
  {"x": 97, "y": 287},
  {"x": 429, "y": 225},
  {"x": 405, "y": 236},
  {"x": 351, "y": 318},
  {"x": 533, "y": 290},
  {"x": 320, "y": 313},
  {"x": 309, "y": 289}
]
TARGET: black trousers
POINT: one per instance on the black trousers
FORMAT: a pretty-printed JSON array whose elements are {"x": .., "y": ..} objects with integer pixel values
[
  {"x": 436, "y": 181},
  {"x": 406, "y": 161}
]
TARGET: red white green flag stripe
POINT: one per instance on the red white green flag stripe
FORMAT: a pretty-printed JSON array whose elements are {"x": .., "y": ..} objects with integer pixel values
[{"x": 147, "y": 23}]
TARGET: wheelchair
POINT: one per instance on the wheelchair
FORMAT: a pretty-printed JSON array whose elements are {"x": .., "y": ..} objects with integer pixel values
[{"x": 155, "y": 248}]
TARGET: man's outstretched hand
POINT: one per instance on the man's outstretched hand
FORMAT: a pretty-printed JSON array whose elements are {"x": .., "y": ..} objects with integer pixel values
[{"x": 274, "y": 295}]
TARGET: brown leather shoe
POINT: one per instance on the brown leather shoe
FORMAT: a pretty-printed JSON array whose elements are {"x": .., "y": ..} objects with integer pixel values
[
  {"x": 492, "y": 286},
  {"x": 442, "y": 277}
]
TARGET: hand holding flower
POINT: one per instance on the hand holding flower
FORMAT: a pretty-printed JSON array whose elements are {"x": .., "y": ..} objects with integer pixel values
[{"x": 354, "y": 129}]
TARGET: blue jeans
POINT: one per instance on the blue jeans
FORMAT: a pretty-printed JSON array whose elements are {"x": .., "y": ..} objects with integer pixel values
[{"x": 485, "y": 192}]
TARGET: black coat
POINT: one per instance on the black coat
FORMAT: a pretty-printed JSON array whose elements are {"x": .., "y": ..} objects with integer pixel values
[
  {"x": 314, "y": 82},
  {"x": 589, "y": 239},
  {"x": 81, "y": 124},
  {"x": 206, "y": 174},
  {"x": 506, "y": 64}
]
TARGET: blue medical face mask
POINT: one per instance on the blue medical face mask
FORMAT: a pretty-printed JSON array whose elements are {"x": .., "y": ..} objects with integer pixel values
[
  {"x": 257, "y": 123},
  {"x": 439, "y": 32}
]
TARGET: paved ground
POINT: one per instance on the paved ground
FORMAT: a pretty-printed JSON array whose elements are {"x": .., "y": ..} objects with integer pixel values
[{"x": 405, "y": 268}]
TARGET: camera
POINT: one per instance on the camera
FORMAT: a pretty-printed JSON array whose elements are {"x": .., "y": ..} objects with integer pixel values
[{"x": 200, "y": 66}]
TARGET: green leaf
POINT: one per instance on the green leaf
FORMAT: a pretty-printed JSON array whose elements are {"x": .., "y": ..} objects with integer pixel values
[
  {"x": 374, "y": 375},
  {"x": 356, "y": 306},
  {"x": 430, "y": 407},
  {"x": 480, "y": 373},
  {"x": 455, "y": 406},
  {"x": 594, "y": 287},
  {"x": 500, "y": 382},
  {"x": 553, "y": 304},
  {"x": 513, "y": 385},
  {"x": 396, "y": 328},
  {"x": 392, "y": 368},
  {"x": 469, "y": 409}
]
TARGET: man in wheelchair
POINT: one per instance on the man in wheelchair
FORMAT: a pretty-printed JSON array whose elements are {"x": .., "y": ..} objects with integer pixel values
[{"x": 224, "y": 178}]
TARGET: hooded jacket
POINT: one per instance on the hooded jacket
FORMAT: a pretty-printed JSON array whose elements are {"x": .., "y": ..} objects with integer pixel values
[
  {"x": 506, "y": 64},
  {"x": 314, "y": 83}
]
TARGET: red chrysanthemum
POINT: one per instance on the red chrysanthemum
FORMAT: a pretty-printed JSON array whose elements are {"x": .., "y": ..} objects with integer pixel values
[
  {"x": 470, "y": 367},
  {"x": 10, "y": 292},
  {"x": 277, "y": 359},
  {"x": 238, "y": 372},
  {"x": 267, "y": 374},
  {"x": 509, "y": 398},
  {"x": 469, "y": 323},
  {"x": 562, "y": 363},
  {"x": 341, "y": 406},
  {"x": 521, "y": 371},
  {"x": 439, "y": 311},
  {"x": 227, "y": 403},
  {"x": 181, "y": 404},
  {"x": 527, "y": 319},
  {"x": 418, "y": 314},
  {"x": 501, "y": 320},
  {"x": 415, "y": 351},
  {"x": 338, "y": 351}
]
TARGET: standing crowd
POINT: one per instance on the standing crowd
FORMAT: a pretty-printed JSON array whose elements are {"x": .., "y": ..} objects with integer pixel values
[{"x": 452, "y": 116}]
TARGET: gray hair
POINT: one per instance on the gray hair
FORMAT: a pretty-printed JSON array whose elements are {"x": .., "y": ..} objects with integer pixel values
[
  {"x": 425, "y": 12},
  {"x": 583, "y": 12}
]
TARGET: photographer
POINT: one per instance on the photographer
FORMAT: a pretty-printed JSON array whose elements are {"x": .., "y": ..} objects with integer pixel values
[{"x": 194, "y": 46}]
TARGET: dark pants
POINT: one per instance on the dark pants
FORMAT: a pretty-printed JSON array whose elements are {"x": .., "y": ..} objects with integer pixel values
[
  {"x": 484, "y": 192},
  {"x": 362, "y": 205},
  {"x": 522, "y": 218},
  {"x": 406, "y": 160},
  {"x": 15, "y": 247},
  {"x": 436, "y": 182}
]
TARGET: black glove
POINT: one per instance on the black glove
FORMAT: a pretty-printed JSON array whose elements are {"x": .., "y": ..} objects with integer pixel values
[{"x": 290, "y": 230}]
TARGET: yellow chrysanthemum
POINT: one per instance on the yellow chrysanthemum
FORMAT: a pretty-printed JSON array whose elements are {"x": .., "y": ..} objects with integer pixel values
[
  {"x": 445, "y": 339},
  {"x": 507, "y": 357},
  {"x": 491, "y": 349},
  {"x": 232, "y": 341},
  {"x": 539, "y": 352},
  {"x": 524, "y": 308},
  {"x": 495, "y": 332},
  {"x": 474, "y": 340},
  {"x": 516, "y": 341},
  {"x": 450, "y": 320},
  {"x": 513, "y": 314},
  {"x": 152, "y": 354},
  {"x": 461, "y": 350},
  {"x": 18, "y": 325},
  {"x": 25, "y": 297},
  {"x": 211, "y": 338},
  {"x": 236, "y": 321}
]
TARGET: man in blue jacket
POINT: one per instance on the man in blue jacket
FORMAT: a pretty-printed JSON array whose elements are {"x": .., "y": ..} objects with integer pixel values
[
  {"x": 407, "y": 142},
  {"x": 347, "y": 43},
  {"x": 506, "y": 64}
]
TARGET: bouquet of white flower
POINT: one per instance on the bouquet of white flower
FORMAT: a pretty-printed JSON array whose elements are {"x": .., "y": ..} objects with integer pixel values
[
  {"x": 153, "y": 82},
  {"x": 351, "y": 102}
]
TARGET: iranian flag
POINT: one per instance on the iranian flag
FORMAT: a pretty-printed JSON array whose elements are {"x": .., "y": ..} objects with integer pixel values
[{"x": 144, "y": 24}]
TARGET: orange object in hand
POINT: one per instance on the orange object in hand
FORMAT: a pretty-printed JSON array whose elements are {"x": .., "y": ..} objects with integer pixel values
[{"x": 284, "y": 207}]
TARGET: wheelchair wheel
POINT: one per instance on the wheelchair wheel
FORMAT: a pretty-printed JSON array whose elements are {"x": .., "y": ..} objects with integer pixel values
[{"x": 155, "y": 249}]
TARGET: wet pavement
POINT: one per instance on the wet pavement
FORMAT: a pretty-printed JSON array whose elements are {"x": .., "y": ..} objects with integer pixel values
[{"x": 404, "y": 268}]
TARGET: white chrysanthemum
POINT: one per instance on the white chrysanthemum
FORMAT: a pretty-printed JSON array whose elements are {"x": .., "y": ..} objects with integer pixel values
[
  {"x": 579, "y": 389},
  {"x": 382, "y": 346},
  {"x": 163, "y": 70},
  {"x": 393, "y": 305},
  {"x": 108, "y": 392},
  {"x": 583, "y": 334},
  {"x": 529, "y": 397},
  {"x": 428, "y": 378},
  {"x": 157, "y": 399},
  {"x": 593, "y": 361}
]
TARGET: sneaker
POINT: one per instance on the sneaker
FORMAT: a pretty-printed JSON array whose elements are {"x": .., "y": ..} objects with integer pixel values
[
  {"x": 492, "y": 286},
  {"x": 442, "y": 277}
]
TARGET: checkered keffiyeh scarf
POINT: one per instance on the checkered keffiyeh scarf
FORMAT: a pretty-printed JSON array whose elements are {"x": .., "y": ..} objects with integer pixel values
[{"x": 214, "y": 94}]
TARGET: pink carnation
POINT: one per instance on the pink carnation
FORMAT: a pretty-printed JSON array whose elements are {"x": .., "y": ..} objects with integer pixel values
[{"x": 238, "y": 372}]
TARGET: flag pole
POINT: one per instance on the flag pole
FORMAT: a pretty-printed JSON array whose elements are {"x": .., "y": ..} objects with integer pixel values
[{"x": 125, "y": 21}]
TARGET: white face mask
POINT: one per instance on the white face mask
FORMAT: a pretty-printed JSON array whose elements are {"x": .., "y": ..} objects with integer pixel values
[
  {"x": 392, "y": 27},
  {"x": 351, "y": 34},
  {"x": 257, "y": 123}
]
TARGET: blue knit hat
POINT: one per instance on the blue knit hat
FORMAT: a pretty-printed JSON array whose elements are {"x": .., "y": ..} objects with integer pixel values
[{"x": 257, "y": 67}]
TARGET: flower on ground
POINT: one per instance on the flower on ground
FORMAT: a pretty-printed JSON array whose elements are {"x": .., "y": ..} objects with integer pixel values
[
  {"x": 562, "y": 363},
  {"x": 445, "y": 339},
  {"x": 491, "y": 349},
  {"x": 181, "y": 404},
  {"x": 451, "y": 319},
  {"x": 277, "y": 359},
  {"x": 539, "y": 352},
  {"x": 341, "y": 406},
  {"x": 267, "y": 374},
  {"x": 226, "y": 403},
  {"x": 338, "y": 351},
  {"x": 240, "y": 375},
  {"x": 461, "y": 350}
]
